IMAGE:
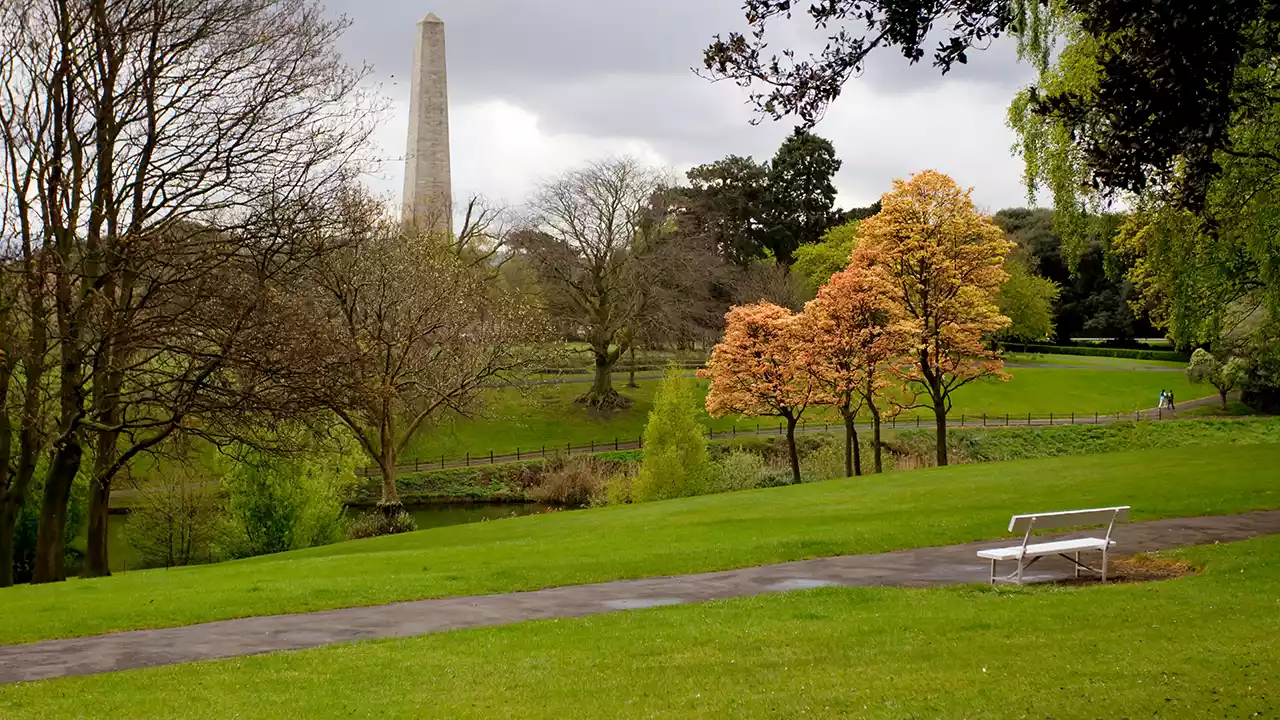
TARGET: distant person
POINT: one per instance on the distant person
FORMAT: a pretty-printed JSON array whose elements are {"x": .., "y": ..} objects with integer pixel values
[
  {"x": 1169, "y": 397},
  {"x": 1164, "y": 396}
]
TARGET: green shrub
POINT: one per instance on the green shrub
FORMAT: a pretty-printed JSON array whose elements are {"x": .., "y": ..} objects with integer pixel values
[
  {"x": 776, "y": 477},
  {"x": 618, "y": 489},
  {"x": 276, "y": 504},
  {"x": 738, "y": 470},
  {"x": 377, "y": 522},
  {"x": 825, "y": 463},
  {"x": 675, "y": 445},
  {"x": 176, "y": 520}
]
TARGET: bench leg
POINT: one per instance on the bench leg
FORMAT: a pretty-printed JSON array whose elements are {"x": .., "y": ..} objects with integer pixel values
[
  {"x": 1104, "y": 564},
  {"x": 993, "y": 572},
  {"x": 1019, "y": 570},
  {"x": 1077, "y": 568}
]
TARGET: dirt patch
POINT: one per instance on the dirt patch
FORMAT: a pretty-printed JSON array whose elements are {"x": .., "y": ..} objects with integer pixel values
[{"x": 1144, "y": 567}]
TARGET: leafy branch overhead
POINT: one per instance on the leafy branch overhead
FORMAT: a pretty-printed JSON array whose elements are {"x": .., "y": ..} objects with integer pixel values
[{"x": 1168, "y": 81}]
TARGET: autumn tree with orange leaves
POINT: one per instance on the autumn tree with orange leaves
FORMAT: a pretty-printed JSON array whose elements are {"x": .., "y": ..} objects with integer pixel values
[
  {"x": 753, "y": 371},
  {"x": 854, "y": 334},
  {"x": 946, "y": 263}
]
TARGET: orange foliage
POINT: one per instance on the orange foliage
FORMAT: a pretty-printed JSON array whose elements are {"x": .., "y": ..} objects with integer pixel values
[
  {"x": 753, "y": 370},
  {"x": 854, "y": 332},
  {"x": 946, "y": 262}
]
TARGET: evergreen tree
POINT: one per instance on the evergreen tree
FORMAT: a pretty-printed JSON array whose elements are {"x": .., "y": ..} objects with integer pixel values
[{"x": 675, "y": 443}]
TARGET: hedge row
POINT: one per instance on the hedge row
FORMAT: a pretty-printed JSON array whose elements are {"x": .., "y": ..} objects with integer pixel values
[{"x": 1168, "y": 355}]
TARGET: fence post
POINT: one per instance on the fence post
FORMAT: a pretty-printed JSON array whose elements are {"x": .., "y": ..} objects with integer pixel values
[
  {"x": 468, "y": 458},
  {"x": 961, "y": 419},
  {"x": 490, "y": 457},
  {"x": 442, "y": 462},
  {"x": 1073, "y": 418},
  {"x": 1095, "y": 418},
  {"x": 640, "y": 442},
  {"x": 517, "y": 454},
  {"x": 917, "y": 420},
  {"x": 1050, "y": 418},
  {"x": 1006, "y": 419},
  {"x": 615, "y": 442},
  {"x": 984, "y": 419},
  {"x": 544, "y": 451},
  {"x": 1028, "y": 419},
  {"x": 593, "y": 446}
]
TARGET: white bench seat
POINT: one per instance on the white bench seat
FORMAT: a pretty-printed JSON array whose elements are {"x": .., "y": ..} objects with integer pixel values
[
  {"x": 1028, "y": 552},
  {"x": 1049, "y": 548}
]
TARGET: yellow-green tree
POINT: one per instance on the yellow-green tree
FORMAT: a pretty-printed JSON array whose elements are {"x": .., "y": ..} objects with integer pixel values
[
  {"x": 675, "y": 443},
  {"x": 946, "y": 263}
]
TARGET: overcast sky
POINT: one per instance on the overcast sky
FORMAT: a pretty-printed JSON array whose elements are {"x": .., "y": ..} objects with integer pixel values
[{"x": 539, "y": 86}]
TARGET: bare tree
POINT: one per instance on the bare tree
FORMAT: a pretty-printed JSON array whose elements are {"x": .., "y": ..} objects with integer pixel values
[
  {"x": 406, "y": 328},
  {"x": 172, "y": 142},
  {"x": 609, "y": 266}
]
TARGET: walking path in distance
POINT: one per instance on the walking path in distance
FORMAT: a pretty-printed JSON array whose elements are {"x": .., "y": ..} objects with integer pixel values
[{"x": 922, "y": 567}]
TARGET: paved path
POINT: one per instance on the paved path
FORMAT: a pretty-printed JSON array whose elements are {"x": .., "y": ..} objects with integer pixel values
[{"x": 924, "y": 567}]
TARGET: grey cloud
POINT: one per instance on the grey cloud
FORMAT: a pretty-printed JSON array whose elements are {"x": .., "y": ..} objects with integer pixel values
[{"x": 622, "y": 69}]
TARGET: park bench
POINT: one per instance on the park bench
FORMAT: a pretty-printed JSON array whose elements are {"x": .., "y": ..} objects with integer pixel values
[{"x": 1069, "y": 549}]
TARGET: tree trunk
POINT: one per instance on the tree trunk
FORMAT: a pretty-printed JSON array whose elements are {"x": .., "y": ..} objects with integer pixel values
[
  {"x": 96, "y": 563},
  {"x": 791, "y": 446},
  {"x": 1223, "y": 394},
  {"x": 632, "y": 382},
  {"x": 9, "y": 510},
  {"x": 602, "y": 395},
  {"x": 848, "y": 447},
  {"x": 876, "y": 445},
  {"x": 51, "y": 539},
  {"x": 940, "y": 416},
  {"x": 852, "y": 453},
  {"x": 390, "y": 504}
]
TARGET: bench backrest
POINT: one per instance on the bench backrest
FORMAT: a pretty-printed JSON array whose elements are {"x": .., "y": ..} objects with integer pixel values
[{"x": 1069, "y": 518}]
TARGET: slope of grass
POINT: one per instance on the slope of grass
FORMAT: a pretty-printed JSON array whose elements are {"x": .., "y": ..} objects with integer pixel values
[
  {"x": 877, "y": 514},
  {"x": 530, "y": 417},
  {"x": 1201, "y": 646},
  {"x": 999, "y": 444}
]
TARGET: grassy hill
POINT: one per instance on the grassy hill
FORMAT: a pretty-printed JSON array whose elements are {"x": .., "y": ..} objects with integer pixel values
[
  {"x": 876, "y": 514},
  {"x": 532, "y": 416},
  {"x": 1200, "y": 646}
]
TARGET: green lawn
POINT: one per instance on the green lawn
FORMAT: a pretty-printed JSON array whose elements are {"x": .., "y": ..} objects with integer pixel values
[
  {"x": 876, "y": 514},
  {"x": 530, "y": 417},
  {"x": 1200, "y": 646}
]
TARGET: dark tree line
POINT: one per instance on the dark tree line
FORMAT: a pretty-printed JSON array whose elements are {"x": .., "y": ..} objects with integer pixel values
[{"x": 1095, "y": 299}]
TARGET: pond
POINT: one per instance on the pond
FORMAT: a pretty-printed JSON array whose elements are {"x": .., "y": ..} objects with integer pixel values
[{"x": 435, "y": 515}]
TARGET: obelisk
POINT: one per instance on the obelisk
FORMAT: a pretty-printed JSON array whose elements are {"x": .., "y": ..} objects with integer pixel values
[{"x": 428, "y": 186}]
